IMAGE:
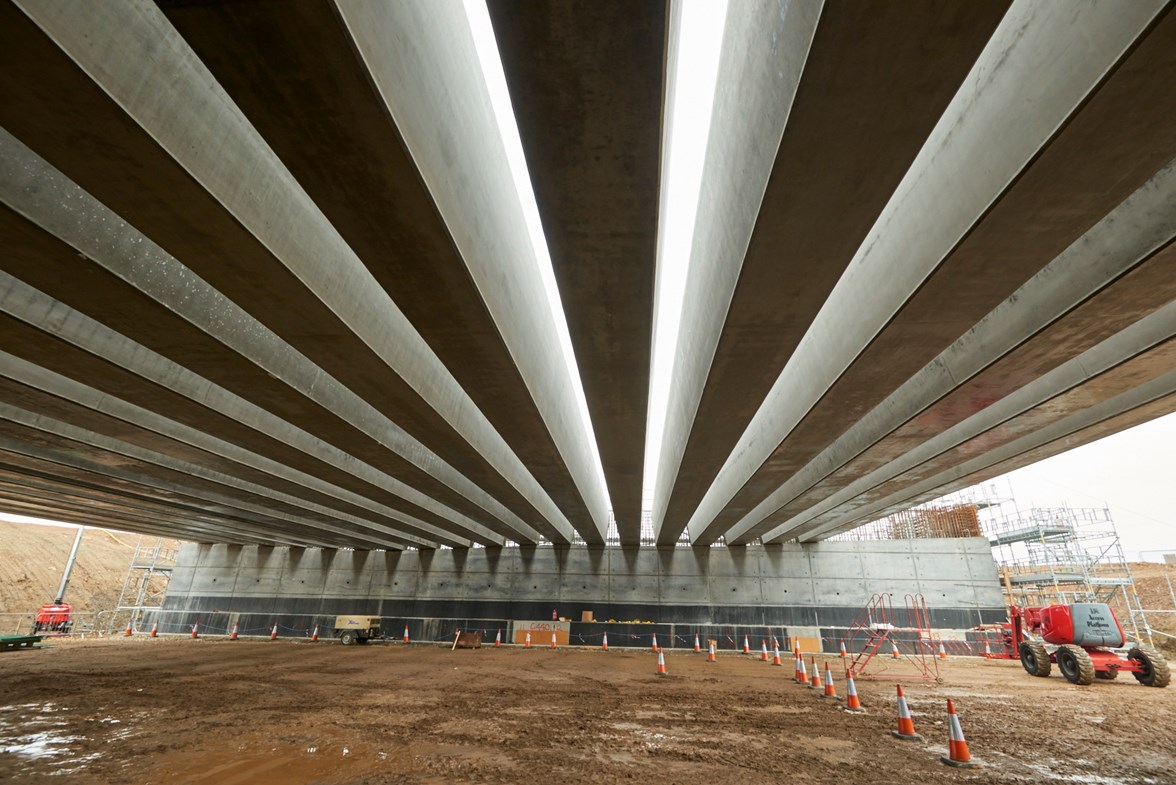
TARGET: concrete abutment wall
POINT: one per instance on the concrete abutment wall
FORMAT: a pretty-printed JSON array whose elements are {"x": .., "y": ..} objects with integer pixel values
[{"x": 720, "y": 592}]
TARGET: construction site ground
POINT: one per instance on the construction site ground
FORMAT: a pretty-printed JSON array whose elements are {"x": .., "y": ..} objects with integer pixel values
[{"x": 176, "y": 710}]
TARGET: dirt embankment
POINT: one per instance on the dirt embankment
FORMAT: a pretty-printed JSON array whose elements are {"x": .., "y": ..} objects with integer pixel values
[
  {"x": 32, "y": 559},
  {"x": 1155, "y": 585},
  {"x": 135, "y": 711}
]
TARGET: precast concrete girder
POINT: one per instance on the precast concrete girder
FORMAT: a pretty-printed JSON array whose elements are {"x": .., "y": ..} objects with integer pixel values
[
  {"x": 116, "y": 453},
  {"x": 139, "y": 267},
  {"x": 109, "y": 490},
  {"x": 312, "y": 100},
  {"x": 1089, "y": 74},
  {"x": 1129, "y": 419},
  {"x": 586, "y": 84},
  {"x": 116, "y": 418},
  {"x": 764, "y": 47},
  {"x": 424, "y": 62},
  {"x": 58, "y": 502},
  {"x": 833, "y": 133},
  {"x": 1135, "y": 354},
  {"x": 182, "y": 140},
  {"x": 1120, "y": 271},
  {"x": 1157, "y": 394}
]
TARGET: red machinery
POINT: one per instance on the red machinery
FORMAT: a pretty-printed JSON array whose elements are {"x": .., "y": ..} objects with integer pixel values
[
  {"x": 1083, "y": 634},
  {"x": 55, "y": 617}
]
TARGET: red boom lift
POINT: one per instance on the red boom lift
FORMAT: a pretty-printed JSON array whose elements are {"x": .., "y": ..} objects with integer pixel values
[{"x": 1082, "y": 633}]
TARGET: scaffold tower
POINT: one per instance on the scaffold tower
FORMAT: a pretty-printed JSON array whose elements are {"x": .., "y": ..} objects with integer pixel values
[{"x": 147, "y": 578}]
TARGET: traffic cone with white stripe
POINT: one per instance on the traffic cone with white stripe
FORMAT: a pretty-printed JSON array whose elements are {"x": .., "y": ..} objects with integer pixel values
[
  {"x": 314, "y": 635},
  {"x": 843, "y": 653},
  {"x": 196, "y": 630},
  {"x": 661, "y": 663},
  {"x": 797, "y": 662},
  {"x": 987, "y": 650},
  {"x": 654, "y": 646},
  {"x": 906, "y": 725},
  {"x": 604, "y": 645},
  {"x": 894, "y": 650},
  {"x": 830, "y": 687},
  {"x": 801, "y": 673},
  {"x": 274, "y": 633},
  {"x": 746, "y": 645},
  {"x": 957, "y": 745},
  {"x": 776, "y": 656},
  {"x": 710, "y": 657},
  {"x": 763, "y": 651},
  {"x": 553, "y": 643},
  {"x": 852, "y": 702},
  {"x": 942, "y": 651},
  {"x": 232, "y": 633},
  {"x": 815, "y": 679},
  {"x": 406, "y": 633},
  {"x": 154, "y": 629},
  {"x": 129, "y": 631},
  {"x": 697, "y": 647},
  {"x": 498, "y": 639},
  {"x": 527, "y": 642}
]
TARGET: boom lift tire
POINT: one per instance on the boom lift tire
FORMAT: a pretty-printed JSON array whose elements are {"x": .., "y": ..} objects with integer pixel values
[
  {"x": 1155, "y": 667},
  {"x": 1034, "y": 658},
  {"x": 1075, "y": 664}
]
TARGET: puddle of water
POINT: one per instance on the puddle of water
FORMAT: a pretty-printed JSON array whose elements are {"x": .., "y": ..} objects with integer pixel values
[
  {"x": 1078, "y": 779},
  {"x": 36, "y": 736}
]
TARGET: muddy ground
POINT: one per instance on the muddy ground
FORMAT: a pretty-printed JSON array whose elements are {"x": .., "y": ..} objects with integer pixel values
[{"x": 293, "y": 712}]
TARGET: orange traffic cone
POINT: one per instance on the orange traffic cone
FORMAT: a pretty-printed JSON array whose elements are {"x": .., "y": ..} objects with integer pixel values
[
  {"x": 957, "y": 745},
  {"x": 796, "y": 663},
  {"x": 942, "y": 652},
  {"x": 498, "y": 639},
  {"x": 653, "y": 648},
  {"x": 527, "y": 642},
  {"x": 987, "y": 650},
  {"x": 314, "y": 635},
  {"x": 553, "y": 644},
  {"x": 129, "y": 631},
  {"x": 763, "y": 651},
  {"x": 830, "y": 688},
  {"x": 232, "y": 635},
  {"x": 906, "y": 726},
  {"x": 196, "y": 630},
  {"x": 894, "y": 650},
  {"x": 697, "y": 648},
  {"x": 406, "y": 633},
  {"x": 801, "y": 673},
  {"x": 155, "y": 629},
  {"x": 604, "y": 644},
  {"x": 843, "y": 653},
  {"x": 710, "y": 657},
  {"x": 852, "y": 702},
  {"x": 815, "y": 679},
  {"x": 661, "y": 663},
  {"x": 746, "y": 645},
  {"x": 274, "y": 633},
  {"x": 776, "y": 656}
]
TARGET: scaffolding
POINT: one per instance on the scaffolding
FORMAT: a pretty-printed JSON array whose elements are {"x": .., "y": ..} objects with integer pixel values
[
  {"x": 1063, "y": 555},
  {"x": 145, "y": 584},
  {"x": 1043, "y": 555}
]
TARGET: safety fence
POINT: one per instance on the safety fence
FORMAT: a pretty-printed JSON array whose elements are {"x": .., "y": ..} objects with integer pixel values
[{"x": 728, "y": 638}]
